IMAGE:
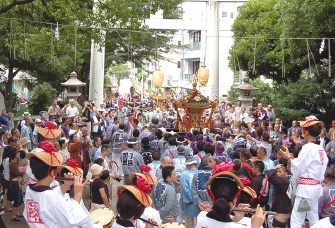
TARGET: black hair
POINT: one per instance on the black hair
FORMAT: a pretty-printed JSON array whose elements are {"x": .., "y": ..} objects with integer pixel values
[
  {"x": 227, "y": 124},
  {"x": 259, "y": 165},
  {"x": 12, "y": 131},
  {"x": 61, "y": 142},
  {"x": 135, "y": 121},
  {"x": 99, "y": 161},
  {"x": 245, "y": 153},
  {"x": 105, "y": 147},
  {"x": 145, "y": 142},
  {"x": 253, "y": 151},
  {"x": 284, "y": 129},
  {"x": 104, "y": 175},
  {"x": 127, "y": 206},
  {"x": 105, "y": 141},
  {"x": 167, "y": 136},
  {"x": 155, "y": 121},
  {"x": 167, "y": 171},
  {"x": 11, "y": 139},
  {"x": 209, "y": 149},
  {"x": 121, "y": 126},
  {"x": 200, "y": 145},
  {"x": 22, "y": 154},
  {"x": 243, "y": 124},
  {"x": 12, "y": 153},
  {"x": 116, "y": 118},
  {"x": 172, "y": 141},
  {"x": 159, "y": 133},
  {"x": 314, "y": 130},
  {"x": 221, "y": 209},
  {"x": 156, "y": 155},
  {"x": 39, "y": 168},
  {"x": 266, "y": 137},
  {"x": 136, "y": 133}
]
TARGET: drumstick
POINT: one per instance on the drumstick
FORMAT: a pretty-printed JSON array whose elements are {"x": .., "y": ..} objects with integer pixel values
[
  {"x": 146, "y": 221},
  {"x": 252, "y": 211}
]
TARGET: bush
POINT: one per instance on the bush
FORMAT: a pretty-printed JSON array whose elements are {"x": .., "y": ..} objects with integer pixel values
[{"x": 41, "y": 98}]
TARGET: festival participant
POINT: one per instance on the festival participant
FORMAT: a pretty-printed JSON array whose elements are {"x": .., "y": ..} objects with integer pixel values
[
  {"x": 171, "y": 151},
  {"x": 156, "y": 162},
  {"x": 100, "y": 194},
  {"x": 191, "y": 210},
  {"x": 165, "y": 195},
  {"x": 198, "y": 188},
  {"x": 309, "y": 167},
  {"x": 327, "y": 200},
  {"x": 166, "y": 161},
  {"x": 260, "y": 185},
  {"x": 131, "y": 160},
  {"x": 282, "y": 205},
  {"x": 145, "y": 182},
  {"x": 45, "y": 207},
  {"x": 201, "y": 153},
  {"x": 180, "y": 162},
  {"x": 326, "y": 222},
  {"x": 225, "y": 190},
  {"x": 130, "y": 206}
]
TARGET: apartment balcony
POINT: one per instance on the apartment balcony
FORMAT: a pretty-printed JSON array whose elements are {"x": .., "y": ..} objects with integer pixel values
[
  {"x": 185, "y": 77},
  {"x": 193, "y": 52}
]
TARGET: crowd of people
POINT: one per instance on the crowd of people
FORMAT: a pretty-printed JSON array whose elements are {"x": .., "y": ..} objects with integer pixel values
[{"x": 250, "y": 170}]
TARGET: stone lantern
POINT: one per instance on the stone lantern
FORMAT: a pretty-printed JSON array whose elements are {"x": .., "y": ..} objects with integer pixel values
[
  {"x": 245, "y": 92},
  {"x": 73, "y": 86}
]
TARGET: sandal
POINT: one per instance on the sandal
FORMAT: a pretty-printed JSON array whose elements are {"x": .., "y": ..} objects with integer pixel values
[
  {"x": 15, "y": 219},
  {"x": 20, "y": 216}
]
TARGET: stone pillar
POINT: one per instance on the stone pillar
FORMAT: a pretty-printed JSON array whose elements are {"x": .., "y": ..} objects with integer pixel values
[
  {"x": 96, "y": 86},
  {"x": 212, "y": 49}
]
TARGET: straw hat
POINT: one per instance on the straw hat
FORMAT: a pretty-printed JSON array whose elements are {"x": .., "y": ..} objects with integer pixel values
[
  {"x": 49, "y": 158},
  {"x": 72, "y": 166},
  {"x": 24, "y": 141},
  {"x": 141, "y": 196},
  {"x": 233, "y": 177},
  {"x": 47, "y": 155},
  {"x": 150, "y": 179},
  {"x": 50, "y": 131},
  {"x": 310, "y": 121}
]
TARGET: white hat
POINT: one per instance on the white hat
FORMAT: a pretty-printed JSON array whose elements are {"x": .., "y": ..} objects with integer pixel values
[
  {"x": 26, "y": 114},
  {"x": 24, "y": 141},
  {"x": 96, "y": 169},
  {"x": 38, "y": 121}
]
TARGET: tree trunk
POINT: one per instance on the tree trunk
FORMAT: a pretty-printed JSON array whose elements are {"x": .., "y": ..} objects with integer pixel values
[
  {"x": 9, "y": 84},
  {"x": 83, "y": 76}
]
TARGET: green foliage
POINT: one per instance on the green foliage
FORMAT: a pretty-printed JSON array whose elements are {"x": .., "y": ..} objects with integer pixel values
[
  {"x": 120, "y": 71},
  {"x": 233, "y": 94},
  {"x": 41, "y": 98},
  {"x": 265, "y": 92}
]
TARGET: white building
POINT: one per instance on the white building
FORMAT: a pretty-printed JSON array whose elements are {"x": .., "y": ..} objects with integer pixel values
[{"x": 206, "y": 28}]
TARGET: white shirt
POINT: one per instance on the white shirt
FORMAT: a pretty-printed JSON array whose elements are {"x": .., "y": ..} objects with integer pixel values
[
  {"x": 323, "y": 223},
  {"x": 72, "y": 111},
  {"x": 204, "y": 222},
  {"x": 6, "y": 169},
  {"x": 311, "y": 163},
  {"x": 51, "y": 209},
  {"x": 149, "y": 212},
  {"x": 95, "y": 127}
]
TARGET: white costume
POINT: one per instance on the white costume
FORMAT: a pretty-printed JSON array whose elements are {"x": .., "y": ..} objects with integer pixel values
[
  {"x": 49, "y": 208},
  {"x": 323, "y": 223},
  {"x": 149, "y": 212},
  {"x": 309, "y": 167},
  {"x": 204, "y": 222}
]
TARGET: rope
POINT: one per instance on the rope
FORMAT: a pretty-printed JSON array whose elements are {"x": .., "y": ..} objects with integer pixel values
[{"x": 254, "y": 67}]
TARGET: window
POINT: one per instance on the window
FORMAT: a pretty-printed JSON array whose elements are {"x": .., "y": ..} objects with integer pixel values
[
  {"x": 178, "y": 64},
  {"x": 179, "y": 43},
  {"x": 196, "y": 65},
  {"x": 197, "y": 36},
  {"x": 224, "y": 14},
  {"x": 231, "y": 15}
]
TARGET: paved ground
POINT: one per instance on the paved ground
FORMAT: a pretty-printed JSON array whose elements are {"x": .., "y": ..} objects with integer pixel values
[{"x": 86, "y": 197}]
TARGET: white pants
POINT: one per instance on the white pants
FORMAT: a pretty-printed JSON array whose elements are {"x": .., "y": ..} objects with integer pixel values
[
  {"x": 116, "y": 157},
  {"x": 298, "y": 218}
]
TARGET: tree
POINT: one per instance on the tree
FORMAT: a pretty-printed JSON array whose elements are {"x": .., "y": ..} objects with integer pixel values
[
  {"x": 30, "y": 46},
  {"x": 257, "y": 48},
  {"x": 120, "y": 71},
  {"x": 233, "y": 94}
]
